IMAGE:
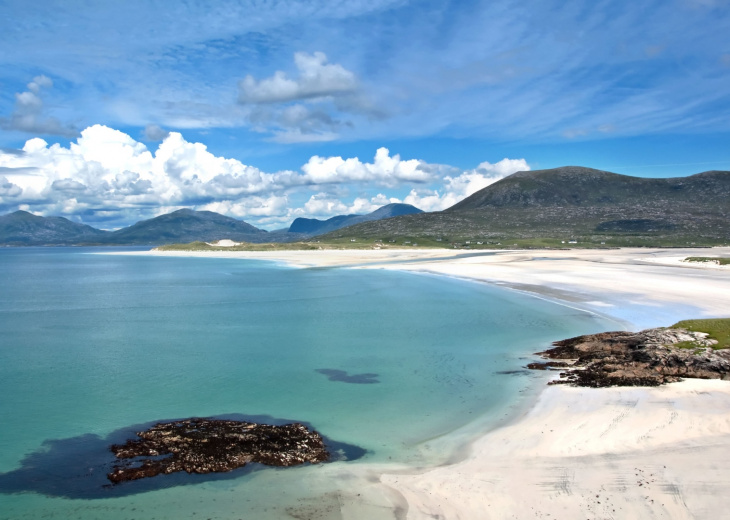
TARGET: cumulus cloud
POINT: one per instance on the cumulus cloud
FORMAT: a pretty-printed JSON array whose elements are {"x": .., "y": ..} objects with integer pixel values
[
  {"x": 28, "y": 113},
  {"x": 313, "y": 106},
  {"x": 456, "y": 189},
  {"x": 385, "y": 169},
  {"x": 155, "y": 133},
  {"x": 317, "y": 78},
  {"x": 8, "y": 189},
  {"x": 109, "y": 179}
]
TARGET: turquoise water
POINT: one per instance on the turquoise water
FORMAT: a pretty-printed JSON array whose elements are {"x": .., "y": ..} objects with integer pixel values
[{"x": 94, "y": 345}]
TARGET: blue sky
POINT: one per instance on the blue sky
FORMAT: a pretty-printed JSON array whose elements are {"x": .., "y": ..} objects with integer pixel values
[{"x": 113, "y": 112}]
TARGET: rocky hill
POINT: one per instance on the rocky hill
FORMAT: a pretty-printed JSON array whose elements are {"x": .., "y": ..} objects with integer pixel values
[
  {"x": 186, "y": 225},
  {"x": 25, "y": 229},
  {"x": 552, "y": 207}
]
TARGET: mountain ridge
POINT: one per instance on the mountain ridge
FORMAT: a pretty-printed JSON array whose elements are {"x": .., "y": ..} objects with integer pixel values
[
  {"x": 559, "y": 205},
  {"x": 22, "y": 228}
]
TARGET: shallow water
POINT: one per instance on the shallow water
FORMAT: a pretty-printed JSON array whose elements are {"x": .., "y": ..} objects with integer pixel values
[{"x": 387, "y": 362}]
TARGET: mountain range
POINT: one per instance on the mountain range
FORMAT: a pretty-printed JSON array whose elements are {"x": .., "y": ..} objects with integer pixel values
[
  {"x": 531, "y": 208},
  {"x": 185, "y": 225}
]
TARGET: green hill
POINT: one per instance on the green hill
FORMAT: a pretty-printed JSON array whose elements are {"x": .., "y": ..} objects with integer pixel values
[
  {"x": 561, "y": 205},
  {"x": 186, "y": 225}
]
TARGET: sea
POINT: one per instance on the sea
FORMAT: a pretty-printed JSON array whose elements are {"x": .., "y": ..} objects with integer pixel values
[{"x": 398, "y": 371}]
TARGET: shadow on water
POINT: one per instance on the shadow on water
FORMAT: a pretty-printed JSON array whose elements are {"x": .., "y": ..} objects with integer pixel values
[
  {"x": 77, "y": 467},
  {"x": 343, "y": 377}
]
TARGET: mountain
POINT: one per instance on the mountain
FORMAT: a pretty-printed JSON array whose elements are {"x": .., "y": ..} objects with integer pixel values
[
  {"x": 186, "y": 225},
  {"x": 548, "y": 207},
  {"x": 312, "y": 226},
  {"x": 578, "y": 186},
  {"x": 25, "y": 229}
]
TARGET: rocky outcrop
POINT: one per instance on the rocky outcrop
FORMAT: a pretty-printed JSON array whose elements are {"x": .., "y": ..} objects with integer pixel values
[
  {"x": 648, "y": 358},
  {"x": 214, "y": 445}
]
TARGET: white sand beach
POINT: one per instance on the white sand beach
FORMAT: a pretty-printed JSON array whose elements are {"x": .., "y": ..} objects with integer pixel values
[{"x": 578, "y": 452}]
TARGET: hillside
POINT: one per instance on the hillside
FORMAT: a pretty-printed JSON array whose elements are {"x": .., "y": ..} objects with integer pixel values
[
  {"x": 186, "y": 225},
  {"x": 25, "y": 229},
  {"x": 592, "y": 207},
  {"x": 578, "y": 186},
  {"x": 312, "y": 226}
]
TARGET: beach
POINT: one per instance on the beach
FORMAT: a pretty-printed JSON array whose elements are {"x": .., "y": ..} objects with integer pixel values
[{"x": 577, "y": 452}]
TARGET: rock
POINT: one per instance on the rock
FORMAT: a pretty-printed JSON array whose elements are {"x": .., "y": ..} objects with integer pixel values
[
  {"x": 646, "y": 358},
  {"x": 213, "y": 445}
]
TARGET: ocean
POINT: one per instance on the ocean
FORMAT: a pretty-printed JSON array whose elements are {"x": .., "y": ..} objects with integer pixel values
[{"x": 397, "y": 370}]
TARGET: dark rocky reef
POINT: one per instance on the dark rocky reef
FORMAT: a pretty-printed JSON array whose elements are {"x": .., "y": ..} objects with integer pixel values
[
  {"x": 342, "y": 376},
  {"x": 647, "y": 358},
  {"x": 215, "y": 445}
]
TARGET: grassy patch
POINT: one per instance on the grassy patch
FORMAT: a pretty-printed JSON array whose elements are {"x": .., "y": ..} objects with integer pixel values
[
  {"x": 711, "y": 259},
  {"x": 718, "y": 329}
]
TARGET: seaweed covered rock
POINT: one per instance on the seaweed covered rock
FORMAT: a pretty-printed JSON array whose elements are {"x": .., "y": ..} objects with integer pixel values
[
  {"x": 648, "y": 358},
  {"x": 214, "y": 445}
]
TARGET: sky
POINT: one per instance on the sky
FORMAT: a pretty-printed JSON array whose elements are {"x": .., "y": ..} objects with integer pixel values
[{"x": 114, "y": 112}]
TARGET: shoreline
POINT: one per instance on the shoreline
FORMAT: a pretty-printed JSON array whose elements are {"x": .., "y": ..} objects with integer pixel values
[{"x": 574, "y": 452}]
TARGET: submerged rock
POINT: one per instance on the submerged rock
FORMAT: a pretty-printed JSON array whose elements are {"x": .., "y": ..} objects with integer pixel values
[
  {"x": 214, "y": 445},
  {"x": 646, "y": 358}
]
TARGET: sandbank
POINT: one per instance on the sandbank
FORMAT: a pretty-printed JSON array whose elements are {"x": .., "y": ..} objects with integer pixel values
[{"x": 577, "y": 452}]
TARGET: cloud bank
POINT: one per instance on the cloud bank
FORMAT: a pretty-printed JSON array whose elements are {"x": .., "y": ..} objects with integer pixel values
[{"x": 107, "y": 177}]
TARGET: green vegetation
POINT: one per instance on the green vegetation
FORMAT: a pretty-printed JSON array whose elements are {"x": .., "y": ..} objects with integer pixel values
[
  {"x": 552, "y": 208},
  {"x": 710, "y": 259},
  {"x": 718, "y": 329}
]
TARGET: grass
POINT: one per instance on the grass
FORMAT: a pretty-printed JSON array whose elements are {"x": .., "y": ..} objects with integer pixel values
[
  {"x": 713, "y": 259},
  {"x": 718, "y": 329}
]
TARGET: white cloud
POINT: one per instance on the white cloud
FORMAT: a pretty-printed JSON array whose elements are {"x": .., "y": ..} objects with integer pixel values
[
  {"x": 155, "y": 133},
  {"x": 27, "y": 115},
  {"x": 456, "y": 189},
  {"x": 8, "y": 189},
  {"x": 324, "y": 205},
  {"x": 312, "y": 107},
  {"x": 250, "y": 206},
  {"x": 384, "y": 170},
  {"x": 317, "y": 78},
  {"x": 106, "y": 176}
]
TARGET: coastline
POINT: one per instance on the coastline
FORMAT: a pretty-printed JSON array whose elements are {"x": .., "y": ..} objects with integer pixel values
[{"x": 576, "y": 452}]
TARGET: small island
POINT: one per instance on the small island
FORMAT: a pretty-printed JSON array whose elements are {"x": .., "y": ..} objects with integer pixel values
[
  {"x": 689, "y": 349},
  {"x": 200, "y": 445}
]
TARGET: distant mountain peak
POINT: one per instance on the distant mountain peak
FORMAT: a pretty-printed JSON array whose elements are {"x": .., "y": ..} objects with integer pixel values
[{"x": 313, "y": 226}]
